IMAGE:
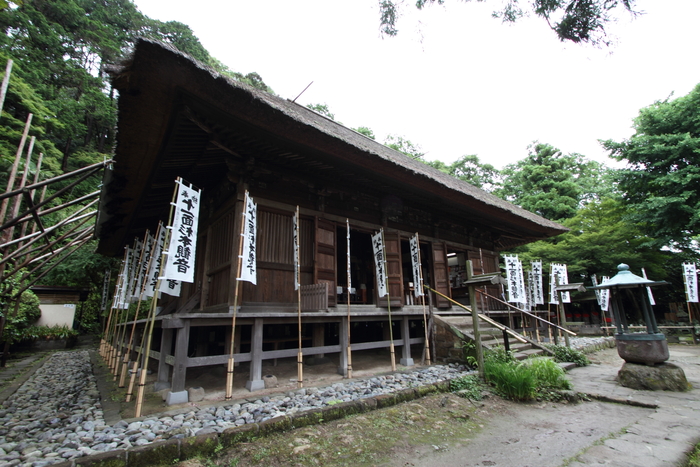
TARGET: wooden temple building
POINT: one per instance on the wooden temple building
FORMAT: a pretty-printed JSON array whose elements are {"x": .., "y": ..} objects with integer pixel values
[{"x": 178, "y": 118}]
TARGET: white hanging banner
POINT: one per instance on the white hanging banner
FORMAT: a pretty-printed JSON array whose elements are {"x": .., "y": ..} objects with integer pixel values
[
  {"x": 250, "y": 219},
  {"x": 296, "y": 249},
  {"x": 594, "y": 280},
  {"x": 515, "y": 279},
  {"x": 124, "y": 276},
  {"x": 414, "y": 246},
  {"x": 133, "y": 271},
  {"x": 348, "y": 266},
  {"x": 651, "y": 296},
  {"x": 155, "y": 266},
  {"x": 183, "y": 234},
  {"x": 537, "y": 289},
  {"x": 379, "y": 263},
  {"x": 605, "y": 295},
  {"x": 558, "y": 273},
  {"x": 105, "y": 289},
  {"x": 690, "y": 278},
  {"x": 142, "y": 270}
]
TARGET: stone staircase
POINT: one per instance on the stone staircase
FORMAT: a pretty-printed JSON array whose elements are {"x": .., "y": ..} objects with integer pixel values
[{"x": 460, "y": 327}]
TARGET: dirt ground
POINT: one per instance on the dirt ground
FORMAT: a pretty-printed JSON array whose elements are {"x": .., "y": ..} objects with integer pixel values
[{"x": 446, "y": 430}]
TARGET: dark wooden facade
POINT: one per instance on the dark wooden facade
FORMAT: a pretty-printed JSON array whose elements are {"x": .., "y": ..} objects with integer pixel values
[{"x": 177, "y": 118}]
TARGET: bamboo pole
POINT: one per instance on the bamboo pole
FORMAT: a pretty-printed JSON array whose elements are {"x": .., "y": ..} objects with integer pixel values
[
  {"x": 115, "y": 303},
  {"x": 23, "y": 231},
  {"x": 300, "y": 355},
  {"x": 422, "y": 297},
  {"x": 125, "y": 361},
  {"x": 15, "y": 165},
  {"x": 152, "y": 315},
  {"x": 388, "y": 304},
  {"x": 5, "y": 83},
  {"x": 349, "y": 347},
  {"x": 231, "y": 361}
]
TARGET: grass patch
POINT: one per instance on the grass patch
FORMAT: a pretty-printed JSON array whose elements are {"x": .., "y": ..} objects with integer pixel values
[
  {"x": 694, "y": 457},
  {"x": 563, "y": 353}
]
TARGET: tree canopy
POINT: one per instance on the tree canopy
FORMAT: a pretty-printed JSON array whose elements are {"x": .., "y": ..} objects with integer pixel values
[
  {"x": 661, "y": 183},
  {"x": 579, "y": 21},
  {"x": 470, "y": 169}
]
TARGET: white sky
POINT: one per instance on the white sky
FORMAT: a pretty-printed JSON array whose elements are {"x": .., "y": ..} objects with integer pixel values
[{"x": 454, "y": 81}]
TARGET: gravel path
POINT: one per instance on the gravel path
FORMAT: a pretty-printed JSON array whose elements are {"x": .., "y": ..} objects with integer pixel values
[{"x": 57, "y": 415}]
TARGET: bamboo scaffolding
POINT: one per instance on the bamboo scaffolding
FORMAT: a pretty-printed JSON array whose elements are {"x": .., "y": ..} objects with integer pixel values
[
  {"x": 23, "y": 232},
  {"x": 13, "y": 171},
  {"x": 5, "y": 83}
]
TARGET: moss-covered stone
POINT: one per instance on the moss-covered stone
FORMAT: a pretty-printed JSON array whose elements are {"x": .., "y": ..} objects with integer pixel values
[
  {"x": 385, "y": 400},
  {"x": 239, "y": 434},
  {"x": 405, "y": 395},
  {"x": 422, "y": 391},
  {"x": 161, "y": 453},
  {"x": 307, "y": 418},
  {"x": 442, "y": 386},
  {"x": 275, "y": 425},
  {"x": 116, "y": 458},
  {"x": 204, "y": 445}
]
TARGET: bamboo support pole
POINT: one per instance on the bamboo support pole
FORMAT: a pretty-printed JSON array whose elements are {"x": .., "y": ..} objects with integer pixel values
[
  {"x": 13, "y": 171},
  {"x": 300, "y": 355},
  {"x": 425, "y": 320},
  {"x": 349, "y": 282},
  {"x": 388, "y": 304},
  {"x": 5, "y": 83},
  {"x": 231, "y": 361}
]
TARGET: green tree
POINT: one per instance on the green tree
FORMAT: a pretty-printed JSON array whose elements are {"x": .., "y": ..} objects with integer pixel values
[
  {"x": 363, "y": 130},
  {"x": 661, "y": 183},
  {"x": 322, "y": 109},
  {"x": 550, "y": 183},
  {"x": 579, "y": 21},
  {"x": 470, "y": 169},
  {"x": 401, "y": 144}
]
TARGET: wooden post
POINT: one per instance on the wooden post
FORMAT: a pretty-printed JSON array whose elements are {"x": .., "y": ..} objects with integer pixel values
[
  {"x": 349, "y": 283},
  {"x": 475, "y": 320},
  {"x": 388, "y": 305}
]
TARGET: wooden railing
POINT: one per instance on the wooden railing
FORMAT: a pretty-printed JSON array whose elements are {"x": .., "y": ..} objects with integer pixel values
[{"x": 314, "y": 297}]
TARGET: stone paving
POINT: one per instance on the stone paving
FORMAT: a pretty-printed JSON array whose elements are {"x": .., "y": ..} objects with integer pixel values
[{"x": 666, "y": 436}]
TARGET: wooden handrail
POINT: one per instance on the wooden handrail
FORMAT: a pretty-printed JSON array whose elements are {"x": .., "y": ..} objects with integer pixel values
[
  {"x": 527, "y": 313},
  {"x": 485, "y": 318}
]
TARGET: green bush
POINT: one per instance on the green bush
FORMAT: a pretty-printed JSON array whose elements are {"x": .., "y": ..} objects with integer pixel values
[
  {"x": 563, "y": 353},
  {"x": 33, "y": 333},
  {"x": 548, "y": 375},
  {"x": 27, "y": 313},
  {"x": 469, "y": 387},
  {"x": 512, "y": 380}
]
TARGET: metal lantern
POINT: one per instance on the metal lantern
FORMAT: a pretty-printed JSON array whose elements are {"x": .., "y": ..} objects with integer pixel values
[{"x": 648, "y": 347}]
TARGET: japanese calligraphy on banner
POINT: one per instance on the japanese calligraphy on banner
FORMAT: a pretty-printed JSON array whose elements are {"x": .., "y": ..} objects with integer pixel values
[
  {"x": 157, "y": 258},
  {"x": 558, "y": 274},
  {"x": 605, "y": 295},
  {"x": 379, "y": 263},
  {"x": 250, "y": 220},
  {"x": 515, "y": 279},
  {"x": 414, "y": 246},
  {"x": 169, "y": 286},
  {"x": 183, "y": 234},
  {"x": 105, "y": 289},
  {"x": 536, "y": 283},
  {"x": 296, "y": 249},
  {"x": 133, "y": 271},
  {"x": 651, "y": 296},
  {"x": 347, "y": 223},
  {"x": 690, "y": 278},
  {"x": 142, "y": 270},
  {"x": 124, "y": 282}
]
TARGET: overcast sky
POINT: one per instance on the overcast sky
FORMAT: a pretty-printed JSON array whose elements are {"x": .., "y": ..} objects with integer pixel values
[{"x": 454, "y": 81}]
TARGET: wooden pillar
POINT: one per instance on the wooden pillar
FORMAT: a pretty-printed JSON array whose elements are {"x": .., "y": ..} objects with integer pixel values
[
  {"x": 318, "y": 337},
  {"x": 343, "y": 341},
  {"x": 406, "y": 359},
  {"x": 256, "y": 382},
  {"x": 166, "y": 345},
  {"x": 180, "y": 369}
]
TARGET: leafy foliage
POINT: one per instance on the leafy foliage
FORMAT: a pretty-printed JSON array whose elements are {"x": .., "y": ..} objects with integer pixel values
[
  {"x": 401, "y": 144},
  {"x": 579, "y": 21},
  {"x": 661, "y": 183},
  {"x": 563, "y": 353},
  {"x": 56, "y": 332},
  {"x": 468, "y": 387},
  {"x": 471, "y": 170}
]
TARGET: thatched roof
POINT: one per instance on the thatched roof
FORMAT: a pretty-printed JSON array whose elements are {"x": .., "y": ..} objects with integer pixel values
[{"x": 175, "y": 114}]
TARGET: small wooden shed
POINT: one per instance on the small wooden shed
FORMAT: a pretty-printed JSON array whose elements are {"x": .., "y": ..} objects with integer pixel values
[{"x": 179, "y": 118}]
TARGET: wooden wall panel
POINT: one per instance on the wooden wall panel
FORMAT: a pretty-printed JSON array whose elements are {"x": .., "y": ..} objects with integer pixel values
[
  {"x": 325, "y": 252},
  {"x": 441, "y": 275},
  {"x": 394, "y": 271}
]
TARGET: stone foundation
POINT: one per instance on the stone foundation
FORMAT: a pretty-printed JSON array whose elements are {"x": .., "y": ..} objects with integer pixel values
[{"x": 663, "y": 377}]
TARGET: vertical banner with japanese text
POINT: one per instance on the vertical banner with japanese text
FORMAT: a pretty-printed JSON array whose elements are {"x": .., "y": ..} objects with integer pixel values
[
  {"x": 142, "y": 270},
  {"x": 559, "y": 275},
  {"x": 690, "y": 279},
  {"x": 515, "y": 279},
  {"x": 183, "y": 234},
  {"x": 537, "y": 289},
  {"x": 348, "y": 265},
  {"x": 124, "y": 285},
  {"x": 379, "y": 263},
  {"x": 296, "y": 249},
  {"x": 414, "y": 246},
  {"x": 250, "y": 219},
  {"x": 133, "y": 271},
  {"x": 604, "y": 295}
]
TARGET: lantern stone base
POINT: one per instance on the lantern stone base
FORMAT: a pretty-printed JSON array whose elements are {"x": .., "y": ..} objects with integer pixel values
[
  {"x": 662, "y": 377},
  {"x": 649, "y": 349}
]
